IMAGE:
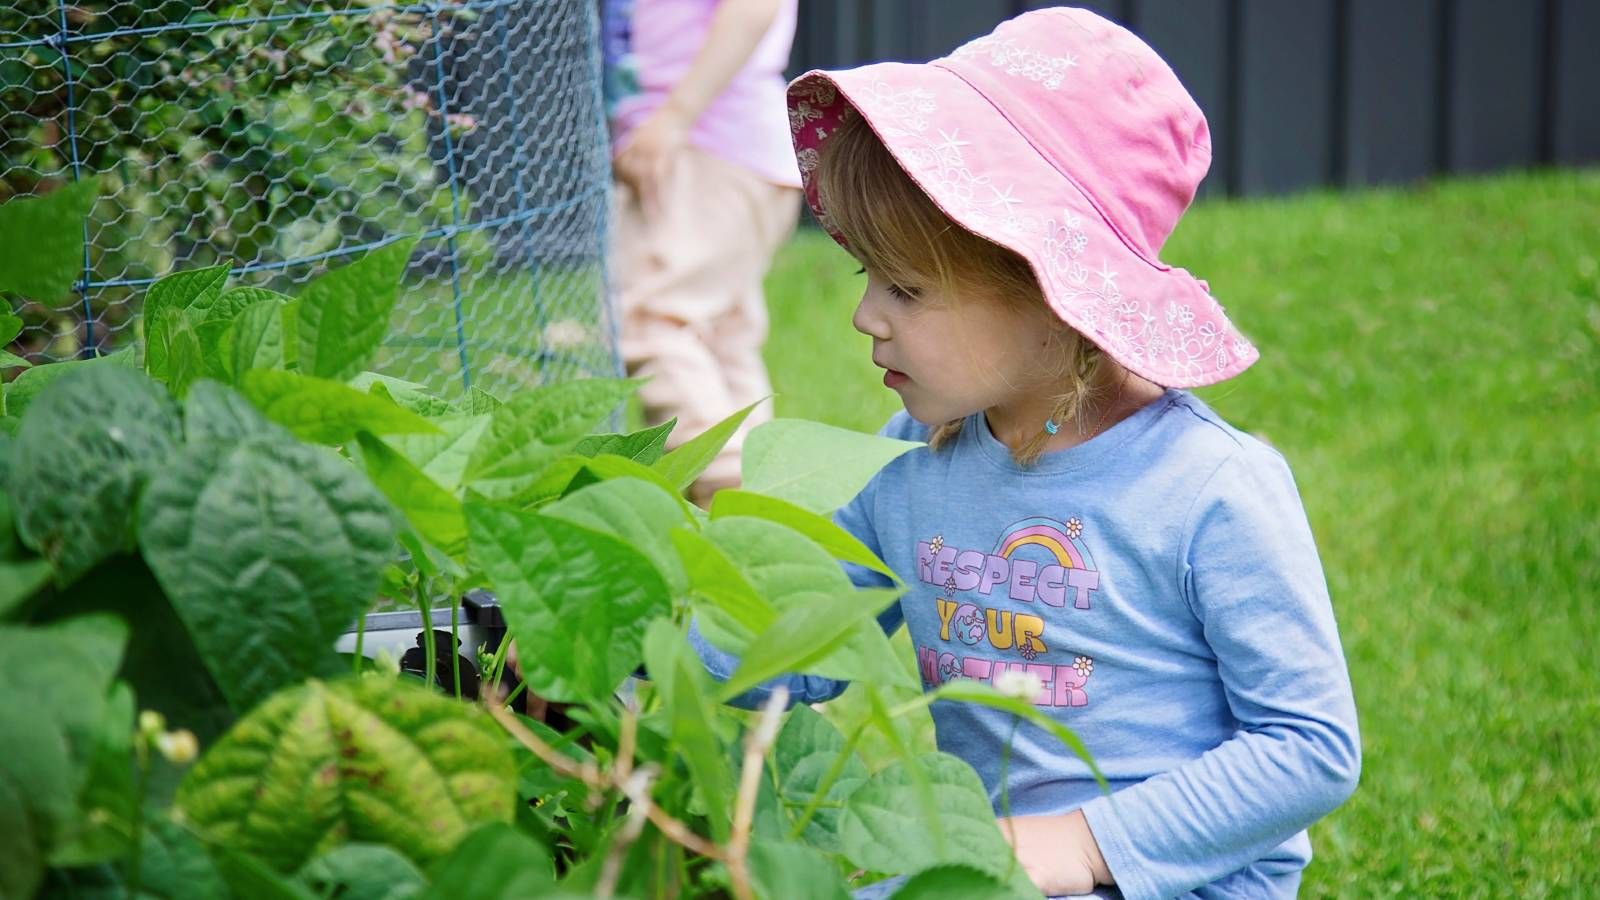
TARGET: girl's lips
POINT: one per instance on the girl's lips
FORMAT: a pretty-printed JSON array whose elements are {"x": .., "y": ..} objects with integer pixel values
[{"x": 893, "y": 379}]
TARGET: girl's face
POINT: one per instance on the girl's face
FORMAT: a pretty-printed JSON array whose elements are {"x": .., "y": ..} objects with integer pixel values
[{"x": 949, "y": 357}]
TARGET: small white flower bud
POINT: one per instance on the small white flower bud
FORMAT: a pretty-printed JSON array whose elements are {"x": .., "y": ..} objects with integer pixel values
[
  {"x": 178, "y": 746},
  {"x": 152, "y": 723},
  {"x": 1021, "y": 685}
]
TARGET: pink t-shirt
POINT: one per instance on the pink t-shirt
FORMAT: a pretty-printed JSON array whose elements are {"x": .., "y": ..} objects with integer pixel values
[{"x": 648, "y": 46}]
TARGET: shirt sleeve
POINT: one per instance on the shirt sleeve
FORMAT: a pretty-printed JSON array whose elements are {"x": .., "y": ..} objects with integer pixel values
[
  {"x": 1248, "y": 568},
  {"x": 855, "y": 517}
]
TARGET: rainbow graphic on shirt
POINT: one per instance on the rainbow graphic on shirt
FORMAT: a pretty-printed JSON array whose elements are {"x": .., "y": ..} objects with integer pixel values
[{"x": 1069, "y": 551}]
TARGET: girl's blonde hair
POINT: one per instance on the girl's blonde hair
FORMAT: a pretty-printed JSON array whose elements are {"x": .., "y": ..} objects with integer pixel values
[{"x": 893, "y": 227}]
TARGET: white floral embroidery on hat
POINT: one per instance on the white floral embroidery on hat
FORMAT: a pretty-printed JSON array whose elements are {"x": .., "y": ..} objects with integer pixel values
[{"x": 1003, "y": 53}]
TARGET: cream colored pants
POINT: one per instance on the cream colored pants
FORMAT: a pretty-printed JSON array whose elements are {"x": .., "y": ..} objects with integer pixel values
[{"x": 693, "y": 318}]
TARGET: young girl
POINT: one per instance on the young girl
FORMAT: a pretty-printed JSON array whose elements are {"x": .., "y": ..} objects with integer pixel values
[{"x": 1076, "y": 516}]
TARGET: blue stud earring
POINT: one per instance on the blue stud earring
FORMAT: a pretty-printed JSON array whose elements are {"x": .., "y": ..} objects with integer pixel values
[{"x": 1050, "y": 426}]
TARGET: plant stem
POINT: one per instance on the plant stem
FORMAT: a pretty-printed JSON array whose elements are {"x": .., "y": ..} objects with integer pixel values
[
  {"x": 755, "y": 753},
  {"x": 141, "y": 785},
  {"x": 455, "y": 643},
  {"x": 428, "y": 650},
  {"x": 513, "y": 695},
  {"x": 498, "y": 665},
  {"x": 1005, "y": 792},
  {"x": 826, "y": 785},
  {"x": 591, "y": 775},
  {"x": 361, "y": 637}
]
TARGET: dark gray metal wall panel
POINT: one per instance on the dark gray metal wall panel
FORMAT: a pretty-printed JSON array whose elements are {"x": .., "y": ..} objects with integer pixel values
[
  {"x": 957, "y": 23},
  {"x": 895, "y": 26},
  {"x": 1494, "y": 84},
  {"x": 828, "y": 35},
  {"x": 1390, "y": 90},
  {"x": 1575, "y": 108},
  {"x": 1115, "y": 10},
  {"x": 1192, "y": 36},
  {"x": 1286, "y": 66}
]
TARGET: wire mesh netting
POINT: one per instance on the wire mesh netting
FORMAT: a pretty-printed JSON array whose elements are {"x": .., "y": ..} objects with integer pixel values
[{"x": 285, "y": 137}]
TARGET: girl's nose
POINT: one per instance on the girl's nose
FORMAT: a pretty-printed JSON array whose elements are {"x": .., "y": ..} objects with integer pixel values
[{"x": 868, "y": 320}]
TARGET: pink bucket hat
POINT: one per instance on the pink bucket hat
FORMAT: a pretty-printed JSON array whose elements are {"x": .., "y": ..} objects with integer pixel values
[{"x": 1065, "y": 138}]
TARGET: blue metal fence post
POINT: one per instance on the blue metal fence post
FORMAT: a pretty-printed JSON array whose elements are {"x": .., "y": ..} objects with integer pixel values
[
  {"x": 455, "y": 201},
  {"x": 60, "y": 43}
]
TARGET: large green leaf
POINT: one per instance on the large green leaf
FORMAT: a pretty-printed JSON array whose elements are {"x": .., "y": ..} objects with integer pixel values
[
  {"x": 408, "y": 394},
  {"x": 234, "y": 301},
  {"x": 480, "y": 401},
  {"x": 962, "y": 881},
  {"x": 215, "y": 338},
  {"x": 433, "y": 511},
  {"x": 172, "y": 340},
  {"x": 685, "y": 690},
  {"x": 809, "y": 751},
  {"x": 258, "y": 338},
  {"x": 638, "y": 513},
  {"x": 191, "y": 289},
  {"x": 161, "y": 663},
  {"x": 838, "y": 542},
  {"x": 884, "y": 827},
  {"x": 21, "y": 392},
  {"x": 643, "y": 447},
  {"x": 268, "y": 550},
  {"x": 814, "y": 466},
  {"x": 684, "y": 464},
  {"x": 790, "y": 570},
  {"x": 345, "y": 313},
  {"x": 82, "y": 454},
  {"x": 813, "y": 634},
  {"x": 53, "y": 688},
  {"x": 168, "y": 326},
  {"x": 368, "y": 760},
  {"x": 495, "y": 862},
  {"x": 363, "y": 872},
  {"x": 173, "y": 864},
  {"x": 730, "y": 610},
  {"x": 443, "y": 457},
  {"x": 576, "y": 600},
  {"x": 43, "y": 237},
  {"x": 10, "y": 327},
  {"x": 216, "y": 412},
  {"x": 528, "y": 433},
  {"x": 326, "y": 412},
  {"x": 248, "y": 876},
  {"x": 21, "y": 580},
  {"x": 109, "y": 797},
  {"x": 794, "y": 872},
  {"x": 778, "y": 561}
]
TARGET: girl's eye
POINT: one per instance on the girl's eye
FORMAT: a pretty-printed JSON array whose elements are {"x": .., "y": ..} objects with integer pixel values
[{"x": 894, "y": 289}]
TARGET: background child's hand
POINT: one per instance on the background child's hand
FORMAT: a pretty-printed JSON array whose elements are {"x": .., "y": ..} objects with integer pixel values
[
  {"x": 645, "y": 162},
  {"x": 1058, "y": 852}
]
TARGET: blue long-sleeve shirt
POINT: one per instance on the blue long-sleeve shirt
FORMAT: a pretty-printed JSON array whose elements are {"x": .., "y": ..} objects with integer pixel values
[{"x": 1161, "y": 583}]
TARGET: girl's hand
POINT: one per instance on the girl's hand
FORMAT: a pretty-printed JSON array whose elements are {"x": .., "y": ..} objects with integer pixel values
[
  {"x": 646, "y": 161},
  {"x": 1059, "y": 853}
]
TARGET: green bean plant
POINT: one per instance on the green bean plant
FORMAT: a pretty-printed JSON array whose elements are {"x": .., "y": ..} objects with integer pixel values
[{"x": 188, "y": 525}]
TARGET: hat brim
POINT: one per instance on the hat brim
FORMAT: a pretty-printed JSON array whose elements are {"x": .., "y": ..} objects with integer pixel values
[{"x": 1158, "y": 321}]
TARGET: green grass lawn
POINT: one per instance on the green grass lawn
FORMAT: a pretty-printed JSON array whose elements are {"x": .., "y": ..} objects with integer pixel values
[{"x": 1430, "y": 365}]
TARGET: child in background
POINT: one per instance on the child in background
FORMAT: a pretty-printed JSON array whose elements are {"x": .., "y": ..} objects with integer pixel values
[
  {"x": 1078, "y": 520},
  {"x": 707, "y": 192}
]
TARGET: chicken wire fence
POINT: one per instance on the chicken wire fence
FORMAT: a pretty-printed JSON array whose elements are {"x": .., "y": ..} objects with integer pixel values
[{"x": 285, "y": 137}]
